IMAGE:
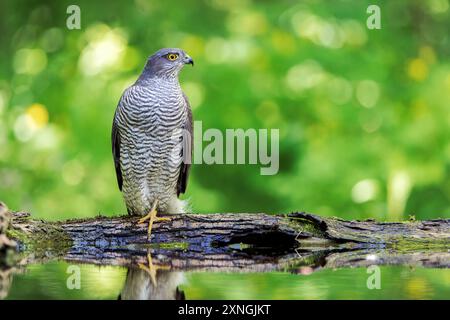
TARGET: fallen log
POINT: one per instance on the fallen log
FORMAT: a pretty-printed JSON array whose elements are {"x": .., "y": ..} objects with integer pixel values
[{"x": 233, "y": 242}]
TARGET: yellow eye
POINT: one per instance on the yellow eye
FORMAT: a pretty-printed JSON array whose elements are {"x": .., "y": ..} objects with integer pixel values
[{"x": 172, "y": 56}]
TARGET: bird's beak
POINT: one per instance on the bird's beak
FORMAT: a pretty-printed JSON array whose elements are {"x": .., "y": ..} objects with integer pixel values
[{"x": 188, "y": 60}]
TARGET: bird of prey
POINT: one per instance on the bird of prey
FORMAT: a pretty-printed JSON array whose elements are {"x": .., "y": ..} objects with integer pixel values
[{"x": 152, "y": 138}]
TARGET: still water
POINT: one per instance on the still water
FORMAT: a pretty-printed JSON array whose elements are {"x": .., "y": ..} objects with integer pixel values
[{"x": 49, "y": 281}]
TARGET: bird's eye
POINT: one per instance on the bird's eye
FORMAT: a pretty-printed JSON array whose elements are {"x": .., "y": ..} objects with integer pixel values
[{"x": 172, "y": 56}]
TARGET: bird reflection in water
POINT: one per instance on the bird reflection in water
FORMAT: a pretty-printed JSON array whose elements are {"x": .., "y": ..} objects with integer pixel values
[{"x": 151, "y": 282}]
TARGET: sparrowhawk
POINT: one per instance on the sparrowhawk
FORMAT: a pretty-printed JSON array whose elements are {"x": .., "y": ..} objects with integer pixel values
[{"x": 152, "y": 138}]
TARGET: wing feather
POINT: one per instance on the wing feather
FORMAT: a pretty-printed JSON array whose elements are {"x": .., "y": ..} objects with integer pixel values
[
  {"x": 188, "y": 145},
  {"x": 115, "y": 141}
]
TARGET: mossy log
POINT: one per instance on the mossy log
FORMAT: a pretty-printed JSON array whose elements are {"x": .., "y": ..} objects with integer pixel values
[{"x": 234, "y": 242}]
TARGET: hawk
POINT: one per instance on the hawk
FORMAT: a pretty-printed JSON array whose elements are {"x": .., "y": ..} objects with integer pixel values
[{"x": 152, "y": 138}]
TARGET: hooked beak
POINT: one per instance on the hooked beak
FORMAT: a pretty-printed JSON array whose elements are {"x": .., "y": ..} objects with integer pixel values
[{"x": 188, "y": 60}]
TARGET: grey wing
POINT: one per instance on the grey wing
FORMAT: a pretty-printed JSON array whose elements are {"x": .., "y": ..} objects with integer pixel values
[
  {"x": 115, "y": 141},
  {"x": 188, "y": 145}
]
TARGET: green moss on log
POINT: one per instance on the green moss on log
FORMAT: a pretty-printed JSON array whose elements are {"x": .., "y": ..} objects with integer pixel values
[{"x": 38, "y": 236}]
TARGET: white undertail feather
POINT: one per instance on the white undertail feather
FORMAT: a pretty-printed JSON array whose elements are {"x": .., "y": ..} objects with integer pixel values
[{"x": 176, "y": 205}]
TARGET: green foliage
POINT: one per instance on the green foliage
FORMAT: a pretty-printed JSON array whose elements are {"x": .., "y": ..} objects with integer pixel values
[{"x": 363, "y": 114}]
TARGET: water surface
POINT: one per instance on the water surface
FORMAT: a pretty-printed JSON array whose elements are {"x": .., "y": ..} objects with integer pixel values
[{"x": 49, "y": 281}]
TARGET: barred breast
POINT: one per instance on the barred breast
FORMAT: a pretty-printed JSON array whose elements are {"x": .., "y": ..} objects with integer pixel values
[{"x": 150, "y": 117}]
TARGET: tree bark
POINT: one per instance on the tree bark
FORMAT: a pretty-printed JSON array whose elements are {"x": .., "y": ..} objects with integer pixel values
[{"x": 299, "y": 242}]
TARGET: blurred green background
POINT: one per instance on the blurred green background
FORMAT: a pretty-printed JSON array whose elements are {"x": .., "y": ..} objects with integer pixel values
[{"x": 363, "y": 114}]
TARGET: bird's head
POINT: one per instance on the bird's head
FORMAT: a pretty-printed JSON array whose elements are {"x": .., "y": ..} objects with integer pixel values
[{"x": 168, "y": 62}]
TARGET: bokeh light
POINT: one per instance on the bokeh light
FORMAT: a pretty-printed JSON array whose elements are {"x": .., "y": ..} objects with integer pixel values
[{"x": 363, "y": 114}]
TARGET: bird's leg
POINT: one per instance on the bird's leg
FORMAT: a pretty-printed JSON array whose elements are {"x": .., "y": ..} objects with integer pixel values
[
  {"x": 151, "y": 269},
  {"x": 153, "y": 218}
]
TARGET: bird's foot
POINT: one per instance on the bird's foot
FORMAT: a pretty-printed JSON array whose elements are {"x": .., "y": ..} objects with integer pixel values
[
  {"x": 150, "y": 216},
  {"x": 153, "y": 218},
  {"x": 151, "y": 269}
]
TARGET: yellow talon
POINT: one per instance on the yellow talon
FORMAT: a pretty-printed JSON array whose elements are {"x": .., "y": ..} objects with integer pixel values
[
  {"x": 153, "y": 218},
  {"x": 157, "y": 219}
]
